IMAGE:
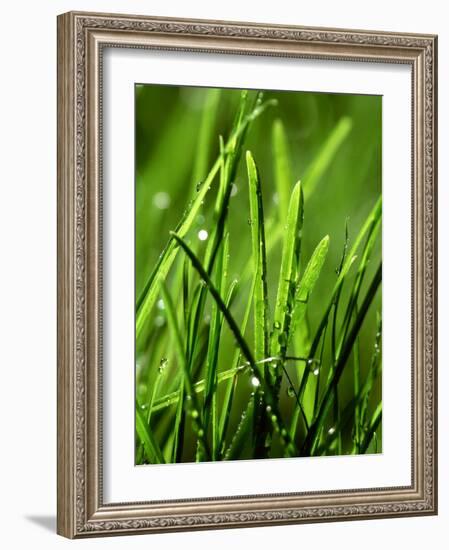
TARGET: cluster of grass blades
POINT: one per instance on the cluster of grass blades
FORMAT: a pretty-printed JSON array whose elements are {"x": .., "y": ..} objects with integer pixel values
[{"x": 276, "y": 391}]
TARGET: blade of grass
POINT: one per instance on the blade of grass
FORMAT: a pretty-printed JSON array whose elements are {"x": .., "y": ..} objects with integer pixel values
[
  {"x": 373, "y": 372},
  {"x": 326, "y": 401},
  {"x": 259, "y": 260},
  {"x": 350, "y": 258},
  {"x": 210, "y": 395},
  {"x": 287, "y": 275},
  {"x": 231, "y": 386},
  {"x": 357, "y": 285},
  {"x": 307, "y": 283},
  {"x": 227, "y": 173},
  {"x": 260, "y": 298},
  {"x": 325, "y": 155},
  {"x": 241, "y": 433},
  {"x": 374, "y": 424},
  {"x": 336, "y": 411},
  {"x": 152, "y": 450},
  {"x": 205, "y": 134},
  {"x": 282, "y": 169},
  {"x": 149, "y": 293},
  {"x": 269, "y": 398},
  {"x": 191, "y": 395}
]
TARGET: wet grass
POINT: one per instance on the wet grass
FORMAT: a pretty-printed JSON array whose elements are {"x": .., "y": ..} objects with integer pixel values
[{"x": 251, "y": 341}]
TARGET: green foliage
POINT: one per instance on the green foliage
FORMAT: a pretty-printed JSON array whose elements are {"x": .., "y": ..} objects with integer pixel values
[{"x": 234, "y": 356}]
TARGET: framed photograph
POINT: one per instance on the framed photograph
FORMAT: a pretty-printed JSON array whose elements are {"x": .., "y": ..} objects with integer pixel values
[{"x": 247, "y": 282}]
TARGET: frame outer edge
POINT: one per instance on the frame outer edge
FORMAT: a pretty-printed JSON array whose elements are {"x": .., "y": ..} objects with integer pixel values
[
  {"x": 434, "y": 99},
  {"x": 66, "y": 287},
  {"x": 77, "y": 218}
]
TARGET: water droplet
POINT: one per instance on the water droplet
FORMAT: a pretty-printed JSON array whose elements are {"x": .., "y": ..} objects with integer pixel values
[
  {"x": 160, "y": 304},
  {"x": 198, "y": 186},
  {"x": 194, "y": 413},
  {"x": 284, "y": 432},
  {"x": 161, "y": 200},
  {"x": 331, "y": 431},
  {"x": 163, "y": 363},
  {"x": 202, "y": 234},
  {"x": 274, "y": 419},
  {"x": 275, "y": 198},
  {"x": 159, "y": 321},
  {"x": 268, "y": 409},
  {"x": 255, "y": 381},
  {"x": 200, "y": 432},
  {"x": 277, "y": 325},
  {"x": 234, "y": 189},
  {"x": 291, "y": 391},
  {"x": 250, "y": 221},
  {"x": 316, "y": 371}
]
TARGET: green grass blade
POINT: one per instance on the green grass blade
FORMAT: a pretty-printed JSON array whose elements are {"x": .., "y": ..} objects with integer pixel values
[
  {"x": 374, "y": 424},
  {"x": 178, "y": 428},
  {"x": 209, "y": 408},
  {"x": 188, "y": 384},
  {"x": 326, "y": 401},
  {"x": 374, "y": 369},
  {"x": 206, "y": 134},
  {"x": 231, "y": 386},
  {"x": 269, "y": 397},
  {"x": 282, "y": 169},
  {"x": 357, "y": 285},
  {"x": 261, "y": 442},
  {"x": 150, "y": 291},
  {"x": 325, "y": 155},
  {"x": 198, "y": 387},
  {"x": 347, "y": 264},
  {"x": 307, "y": 283},
  {"x": 242, "y": 433},
  {"x": 356, "y": 379},
  {"x": 279, "y": 337},
  {"x": 259, "y": 259},
  {"x": 152, "y": 450}
]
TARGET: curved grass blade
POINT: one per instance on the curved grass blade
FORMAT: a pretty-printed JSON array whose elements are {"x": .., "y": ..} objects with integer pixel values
[
  {"x": 149, "y": 293},
  {"x": 374, "y": 424},
  {"x": 311, "y": 438},
  {"x": 242, "y": 433},
  {"x": 210, "y": 395},
  {"x": 282, "y": 312},
  {"x": 307, "y": 283},
  {"x": 350, "y": 259},
  {"x": 325, "y": 155},
  {"x": 282, "y": 169},
  {"x": 231, "y": 386},
  {"x": 357, "y": 285},
  {"x": 180, "y": 352},
  {"x": 260, "y": 299},
  {"x": 152, "y": 450},
  {"x": 269, "y": 398},
  {"x": 259, "y": 260},
  {"x": 205, "y": 134}
]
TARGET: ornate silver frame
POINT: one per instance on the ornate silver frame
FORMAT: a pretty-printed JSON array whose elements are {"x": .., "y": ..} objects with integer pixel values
[{"x": 81, "y": 39}]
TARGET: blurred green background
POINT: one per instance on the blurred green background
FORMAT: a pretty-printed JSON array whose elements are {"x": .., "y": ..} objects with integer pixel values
[{"x": 167, "y": 133}]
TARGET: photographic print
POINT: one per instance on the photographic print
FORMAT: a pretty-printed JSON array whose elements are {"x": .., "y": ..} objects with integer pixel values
[{"x": 258, "y": 267}]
